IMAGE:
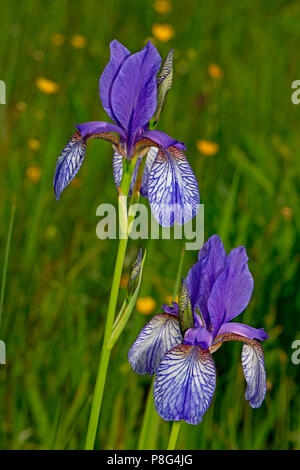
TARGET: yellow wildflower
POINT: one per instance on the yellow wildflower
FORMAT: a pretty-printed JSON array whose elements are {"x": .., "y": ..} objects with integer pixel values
[
  {"x": 21, "y": 106},
  {"x": 207, "y": 148},
  {"x": 78, "y": 41},
  {"x": 124, "y": 281},
  {"x": 163, "y": 32},
  {"x": 215, "y": 71},
  {"x": 58, "y": 39},
  {"x": 162, "y": 6},
  {"x": 33, "y": 173},
  {"x": 33, "y": 144},
  {"x": 145, "y": 305},
  {"x": 46, "y": 86},
  {"x": 287, "y": 212}
]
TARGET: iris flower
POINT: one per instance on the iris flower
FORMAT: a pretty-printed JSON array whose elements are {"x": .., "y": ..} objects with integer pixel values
[
  {"x": 128, "y": 92},
  {"x": 179, "y": 350}
]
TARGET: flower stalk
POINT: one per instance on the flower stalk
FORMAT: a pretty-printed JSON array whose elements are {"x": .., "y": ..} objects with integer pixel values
[{"x": 106, "y": 346}]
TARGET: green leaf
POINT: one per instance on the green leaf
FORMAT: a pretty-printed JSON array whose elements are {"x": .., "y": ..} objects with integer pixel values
[{"x": 129, "y": 302}]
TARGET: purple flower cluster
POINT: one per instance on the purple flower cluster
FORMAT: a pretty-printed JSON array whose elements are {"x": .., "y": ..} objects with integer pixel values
[
  {"x": 128, "y": 92},
  {"x": 219, "y": 288}
]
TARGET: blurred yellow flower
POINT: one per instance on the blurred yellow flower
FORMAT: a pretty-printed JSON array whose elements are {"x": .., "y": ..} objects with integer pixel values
[
  {"x": 215, "y": 71},
  {"x": 191, "y": 53},
  {"x": 46, "y": 86},
  {"x": 163, "y": 32},
  {"x": 287, "y": 212},
  {"x": 145, "y": 305},
  {"x": 207, "y": 148},
  {"x": 33, "y": 173},
  {"x": 162, "y": 6},
  {"x": 78, "y": 41},
  {"x": 33, "y": 144},
  {"x": 169, "y": 299},
  {"x": 21, "y": 106},
  {"x": 124, "y": 281},
  {"x": 58, "y": 39}
]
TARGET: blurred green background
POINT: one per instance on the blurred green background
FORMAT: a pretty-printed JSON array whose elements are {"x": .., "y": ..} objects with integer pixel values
[{"x": 231, "y": 104}]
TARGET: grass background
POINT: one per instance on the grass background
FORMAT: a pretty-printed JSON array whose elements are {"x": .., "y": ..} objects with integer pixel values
[{"x": 59, "y": 273}]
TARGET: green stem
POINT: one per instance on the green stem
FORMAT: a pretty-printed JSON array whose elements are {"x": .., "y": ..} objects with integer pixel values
[
  {"x": 174, "y": 435},
  {"x": 128, "y": 169},
  {"x": 105, "y": 353}
]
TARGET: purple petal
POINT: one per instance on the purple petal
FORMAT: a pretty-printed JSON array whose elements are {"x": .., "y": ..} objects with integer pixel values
[
  {"x": 160, "y": 335},
  {"x": 162, "y": 139},
  {"x": 184, "y": 384},
  {"x": 254, "y": 370},
  {"x": 133, "y": 93},
  {"x": 232, "y": 290},
  {"x": 68, "y": 163},
  {"x": 172, "y": 189},
  {"x": 243, "y": 330},
  {"x": 198, "y": 336},
  {"x": 171, "y": 310},
  {"x": 202, "y": 276},
  {"x": 98, "y": 127},
  {"x": 118, "y": 54}
]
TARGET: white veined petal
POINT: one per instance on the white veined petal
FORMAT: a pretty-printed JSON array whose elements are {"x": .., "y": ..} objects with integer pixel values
[
  {"x": 156, "y": 338},
  {"x": 184, "y": 384},
  {"x": 254, "y": 370},
  {"x": 117, "y": 168},
  {"x": 68, "y": 163},
  {"x": 172, "y": 189}
]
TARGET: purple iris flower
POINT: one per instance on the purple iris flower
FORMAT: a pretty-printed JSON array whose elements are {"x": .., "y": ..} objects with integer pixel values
[
  {"x": 128, "y": 91},
  {"x": 219, "y": 288}
]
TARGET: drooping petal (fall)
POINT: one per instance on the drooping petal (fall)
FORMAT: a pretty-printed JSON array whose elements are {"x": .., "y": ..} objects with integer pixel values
[
  {"x": 97, "y": 127},
  {"x": 160, "y": 335},
  {"x": 68, "y": 163},
  {"x": 184, "y": 384},
  {"x": 162, "y": 139},
  {"x": 232, "y": 290},
  {"x": 172, "y": 189},
  {"x": 244, "y": 330},
  {"x": 254, "y": 370},
  {"x": 71, "y": 158}
]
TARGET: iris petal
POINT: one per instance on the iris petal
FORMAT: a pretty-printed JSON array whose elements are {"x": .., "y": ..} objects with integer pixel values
[
  {"x": 133, "y": 93},
  {"x": 172, "y": 190},
  {"x": 184, "y": 384},
  {"x": 244, "y": 330},
  {"x": 68, "y": 163},
  {"x": 155, "y": 339},
  {"x": 254, "y": 370},
  {"x": 118, "y": 53},
  {"x": 232, "y": 290}
]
